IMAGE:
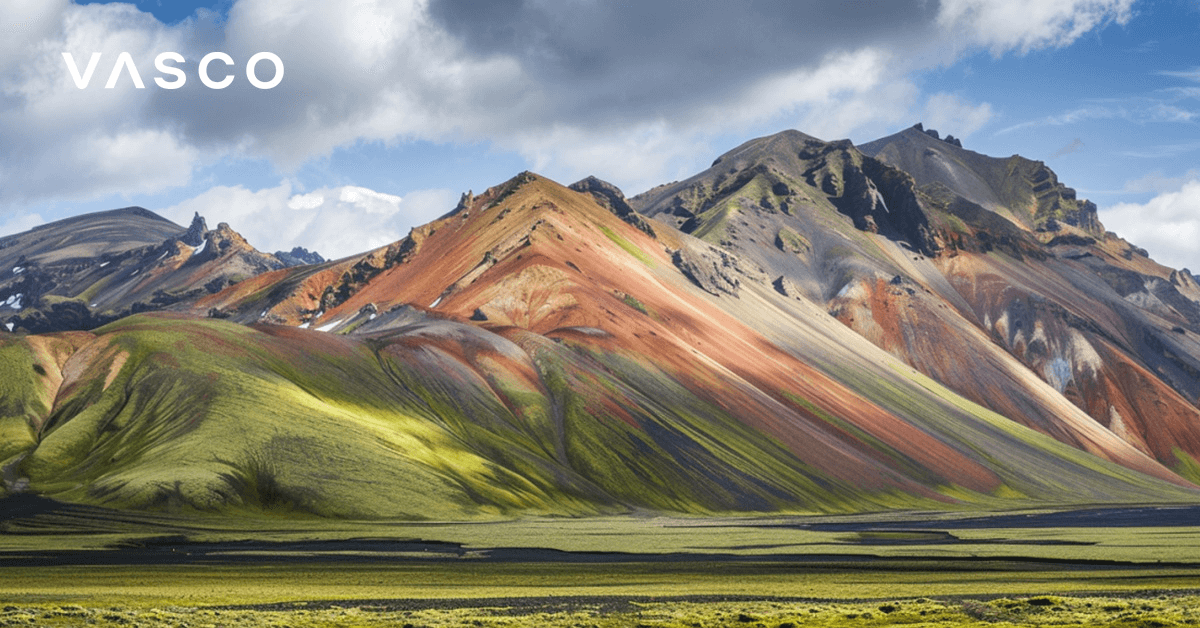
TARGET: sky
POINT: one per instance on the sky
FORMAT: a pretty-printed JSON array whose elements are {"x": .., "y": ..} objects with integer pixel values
[{"x": 389, "y": 109}]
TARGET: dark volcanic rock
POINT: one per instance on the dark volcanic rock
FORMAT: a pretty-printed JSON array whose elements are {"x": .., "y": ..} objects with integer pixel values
[
  {"x": 299, "y": 256},
  {"x": 787, "y": 287},
  {"x": 611, "y": 197},
  {"x": 883, "y": 200},
  {"x": 195, "y": 233},
  {"x": 714, "y": 270}
]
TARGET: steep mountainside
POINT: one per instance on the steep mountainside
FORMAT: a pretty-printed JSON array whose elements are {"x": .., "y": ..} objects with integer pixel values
[
  {"x": 982, "y": 273},
  {"x": 537, "y": 350},
  {"x": 1024, "y": 191},
  {"x": 79, "y": 273}
]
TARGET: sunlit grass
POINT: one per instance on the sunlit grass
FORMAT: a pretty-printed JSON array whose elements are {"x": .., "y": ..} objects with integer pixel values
[{"x": 630, "y": 596}]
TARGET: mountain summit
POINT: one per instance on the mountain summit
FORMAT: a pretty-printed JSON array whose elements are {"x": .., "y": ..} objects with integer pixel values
[
  {"x": 801, "y": 327},
  {"x": 82, "y": 272}
]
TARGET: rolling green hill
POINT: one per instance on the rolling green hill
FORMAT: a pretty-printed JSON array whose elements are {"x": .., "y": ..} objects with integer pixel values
[{"x": 570, "y": 365}]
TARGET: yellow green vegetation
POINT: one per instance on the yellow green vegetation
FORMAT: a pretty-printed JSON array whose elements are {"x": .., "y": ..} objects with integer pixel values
[
  {"x": 452, "y": 422},
  {"x": 553, "y": 607},
  {"x": 627, "y": 246},
  {"x": 792, "y": 242}
]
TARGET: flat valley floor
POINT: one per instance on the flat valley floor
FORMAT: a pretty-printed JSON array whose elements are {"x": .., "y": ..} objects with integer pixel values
[{"x": 64, "y": 565}]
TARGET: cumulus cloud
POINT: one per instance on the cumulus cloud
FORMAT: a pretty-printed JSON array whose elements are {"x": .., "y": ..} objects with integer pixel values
[
  {"x": 335, "y": 222},
  {"x": 1026, "y": 25},
  {"x": 1157, "y": 182},
  {"x": 64, "y": 143},
  {"x": 20, "y": 222},
  {"x": 617, "y": 89},
  {"x": 953, "y": 115},
  {"x": 1168, "y": 225}
]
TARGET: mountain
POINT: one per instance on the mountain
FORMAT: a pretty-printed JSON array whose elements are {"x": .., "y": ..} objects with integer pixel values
[
  {"x": 82, "y": 272},
  {"x": 986, "y": 274},
  {"x": 299, "y": 256},
  {"x": 1023, "y": 191},
  {"x": 542, "y": 349}
]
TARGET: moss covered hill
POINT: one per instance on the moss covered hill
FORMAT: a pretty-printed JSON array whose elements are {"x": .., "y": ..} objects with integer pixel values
[
  {"x": 537, "y": 350},
  {"x": 81, "y": 272},
  {"x": 984, "y": 273}
]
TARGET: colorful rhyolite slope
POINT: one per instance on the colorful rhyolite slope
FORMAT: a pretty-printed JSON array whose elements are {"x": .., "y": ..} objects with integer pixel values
[
  {"x": 985, "y": 274},
  {"x": 537, "y": 350}
]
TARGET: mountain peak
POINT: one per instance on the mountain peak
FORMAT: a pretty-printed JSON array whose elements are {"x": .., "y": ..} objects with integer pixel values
[
  {"x": 299, "y": 256},
  {"x": 195, "y": 233},
  {"x": 1024, "y": 191},
  {"x": 611, "y": 197},
  {"x": 783, "y": 146},
  {"x": 920, "y": 128}
]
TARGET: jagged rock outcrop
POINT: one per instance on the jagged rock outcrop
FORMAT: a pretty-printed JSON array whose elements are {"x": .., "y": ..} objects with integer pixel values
[
  {"x": 787, "y": 287},
  {"x": 86, "y": 271},
  {"x": 712, "y": 269},
  {"x": 299, "y": 256},
  {"x": 464, "y": 202},
  {"x": 949, "y": 139},
  {"x": 611, "y": 197},
  {"x": 1057, "y": 203},
  {"x": 195, "y": 233}
]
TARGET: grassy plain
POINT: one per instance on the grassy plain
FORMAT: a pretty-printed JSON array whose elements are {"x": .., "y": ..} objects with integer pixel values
[{"x": 87, "y": 567}]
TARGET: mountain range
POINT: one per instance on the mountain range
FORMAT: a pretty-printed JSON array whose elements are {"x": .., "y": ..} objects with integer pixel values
[{"x": 806, "y": 326}]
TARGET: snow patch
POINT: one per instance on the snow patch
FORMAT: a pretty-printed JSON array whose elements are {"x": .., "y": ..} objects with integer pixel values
[
  {"x": 372, "y": 317},
  {"x": 329, "y": 326},
  {"x": 304, "y": 326},
  {"x": 17, "y": 270},
  {"x": 1058, "y": 373},
  {"x": 200, "y": 249},
  {"x": 435, "y": 302},
  {"x": 14, "y": 301},
  {"x": 879, "y": 197},
  {"x": 103, "y": 264},
  {"x": 9, "y": 326},
  {"x": 93, "y": 305}
]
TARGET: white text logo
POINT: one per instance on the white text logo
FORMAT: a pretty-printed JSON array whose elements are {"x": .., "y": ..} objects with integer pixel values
[{"x": 125, "y": 64}]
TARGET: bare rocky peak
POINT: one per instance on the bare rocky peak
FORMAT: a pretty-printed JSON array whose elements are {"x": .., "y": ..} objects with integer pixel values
[{"x": 195, "y": 233}]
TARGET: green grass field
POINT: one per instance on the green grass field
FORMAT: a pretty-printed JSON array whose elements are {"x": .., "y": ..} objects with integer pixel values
[
  {"x": 918, "y": 569},
  {"x": 574, "y": 595}
]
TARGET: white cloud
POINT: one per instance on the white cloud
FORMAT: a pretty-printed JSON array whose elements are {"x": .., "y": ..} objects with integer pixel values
[
  {"x": 577, "y": 87},
  {"x": 61, "y": 142},
  {"x": 1138, "y": 110},
  {"x": 19, "y": 223},
  {"x": 952, "y": 115},
  {"x": 335, "y": 222},
  {"x": 1025, "y": 25},
  {"x": 1191, "y": 75},
  {"x": 1168, "y": 225},
  {"x": 1157, "y": 182}
]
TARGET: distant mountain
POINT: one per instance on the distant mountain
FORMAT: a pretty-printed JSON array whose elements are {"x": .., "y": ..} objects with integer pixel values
[
  {"x": 299, "y": 256},
  {"x": 986, "y": 274},
  {"x": 543, "y": 350},
  {"x": 1026, "y": 192},
  {"x": 82, "y": 272}
]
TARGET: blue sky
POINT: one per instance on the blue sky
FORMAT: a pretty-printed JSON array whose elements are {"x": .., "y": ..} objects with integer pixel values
[{"x": 389, "y": 110}]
